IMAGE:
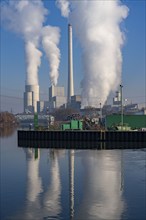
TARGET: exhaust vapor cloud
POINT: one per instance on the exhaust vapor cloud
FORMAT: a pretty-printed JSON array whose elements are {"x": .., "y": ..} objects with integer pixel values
[
  {"x": 26, "y": 18},
  {"x": 63, "y": 5},
  {"x": 50, "y": 41},
  {"x": 33, "y": 61},
  {"x": 97, "y": 26}
]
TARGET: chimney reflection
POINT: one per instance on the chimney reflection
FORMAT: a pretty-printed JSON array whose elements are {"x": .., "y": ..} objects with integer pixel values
[
  {"x": 101, "y": 179},
  {"x": 71, "y": 183}
]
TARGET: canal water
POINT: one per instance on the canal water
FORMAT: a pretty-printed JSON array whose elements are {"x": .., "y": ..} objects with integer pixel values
[{"x": 71, "y": 184}]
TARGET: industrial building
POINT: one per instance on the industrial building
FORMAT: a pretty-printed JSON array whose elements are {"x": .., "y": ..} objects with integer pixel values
[
  {"x": 56, "y": 91},
  {"x": 117, "y": 99},
  {"x": 131, "y": 109},
  {"x": 75, "y": 102},
  {"x": 43, "y": 107},
  {"x": 134, "y": 121},
  {"x": 31, "y": 97},
  {"x": 40, "y": 106},
  {"x": 25, "y": 120},
  {"x": 57, "y": 97}
]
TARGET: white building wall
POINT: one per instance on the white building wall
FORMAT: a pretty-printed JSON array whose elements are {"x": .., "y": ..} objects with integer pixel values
[
  {"x": 56, "y": 91},
  {"x": 31, "y": 96}
]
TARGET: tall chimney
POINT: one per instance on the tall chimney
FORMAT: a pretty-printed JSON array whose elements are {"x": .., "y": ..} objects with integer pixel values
[{"x": 70, "y": 65}]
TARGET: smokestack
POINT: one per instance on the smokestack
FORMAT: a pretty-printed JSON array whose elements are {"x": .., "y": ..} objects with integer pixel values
[
  {"x": 31, "y": 97},
  {"x": 101, "y": 44},
  {"x": 70, "y": 65}
]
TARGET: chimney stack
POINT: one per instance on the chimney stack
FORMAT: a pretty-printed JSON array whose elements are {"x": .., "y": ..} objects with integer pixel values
[{"x": 70, "y": 65}]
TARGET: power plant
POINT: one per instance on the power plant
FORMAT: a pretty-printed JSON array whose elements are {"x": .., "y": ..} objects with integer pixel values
[
  {"x": 57, "y": 96},
  {"x": 58, "y": 99}
]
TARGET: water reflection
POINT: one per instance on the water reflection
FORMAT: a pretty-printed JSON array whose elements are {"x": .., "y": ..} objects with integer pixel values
[
  {"x": 34, "y": 182},
  {"x": 41, "y": 202},
  {"x": 71, "y": 182},
  {"x": 102, "y": 198},
  {"x": 89, "y": 185},
  {"x": 7, "y": 131},
  {"x": 51, "y": 200},
  {"x": 81, "y": 144},
  {"x": 101, "y": 185}
]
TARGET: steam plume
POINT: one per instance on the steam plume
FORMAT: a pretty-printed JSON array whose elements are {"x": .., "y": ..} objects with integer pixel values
[
  {"x": 26, "y": 18},
  {"x": 33, "y": 60},
  {"x": 64, "y": 7},
  {"x": 97, "y": 26},
  {"x": 50, "y": 40}
]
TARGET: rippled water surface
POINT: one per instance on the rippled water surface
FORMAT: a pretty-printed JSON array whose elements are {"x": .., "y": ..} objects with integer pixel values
[{"x": 72, "y": 184}]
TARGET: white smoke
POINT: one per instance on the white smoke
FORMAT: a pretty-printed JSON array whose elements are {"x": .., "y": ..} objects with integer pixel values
[
  {"x": 33, "y": 60},
  {"x": 97, "y": 26},
  {"x": 63, "y": 5},
  {"x": 50, "y": 41},
  {"x": 26, "y": 18}
]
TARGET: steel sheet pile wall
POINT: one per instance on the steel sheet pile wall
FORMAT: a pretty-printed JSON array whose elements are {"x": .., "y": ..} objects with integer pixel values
[{"x": 98, "y": 136}]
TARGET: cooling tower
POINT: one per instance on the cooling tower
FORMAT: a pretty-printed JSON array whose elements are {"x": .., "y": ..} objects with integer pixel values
[
  {"x": 70, "y": 65},
  {"x": 31, "y": 97}
]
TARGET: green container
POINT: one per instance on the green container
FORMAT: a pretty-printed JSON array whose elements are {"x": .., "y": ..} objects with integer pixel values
[
  {"x": 80, "y": 125},
  {"x": 73, "y": 125},
  {"x": 65, "y": 127},
  {"x": 133, "y": 121},
  {"x": 76, "y": 125}
]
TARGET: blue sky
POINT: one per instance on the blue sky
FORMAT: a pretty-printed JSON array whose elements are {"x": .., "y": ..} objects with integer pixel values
[{"x": 13, "y": 59}]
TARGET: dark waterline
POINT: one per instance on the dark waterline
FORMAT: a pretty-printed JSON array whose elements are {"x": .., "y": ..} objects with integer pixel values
[
  {"x": 81, "y": 145},
  {"x": 72, "y": 184}
]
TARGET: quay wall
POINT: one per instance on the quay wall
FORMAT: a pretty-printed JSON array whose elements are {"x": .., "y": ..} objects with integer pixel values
[{"x": 96, "y": 136}]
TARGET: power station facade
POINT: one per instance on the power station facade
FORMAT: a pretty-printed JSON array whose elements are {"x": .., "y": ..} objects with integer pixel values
[
  {"x": 57, "y": 96},
  {"x": 31, "y": 97}
]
